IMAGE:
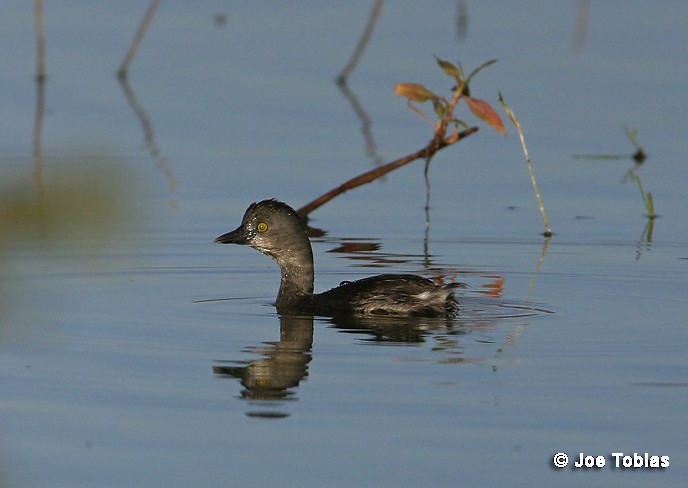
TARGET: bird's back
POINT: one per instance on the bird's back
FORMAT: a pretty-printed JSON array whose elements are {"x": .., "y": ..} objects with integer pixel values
[{"x": 389, "y": 294}]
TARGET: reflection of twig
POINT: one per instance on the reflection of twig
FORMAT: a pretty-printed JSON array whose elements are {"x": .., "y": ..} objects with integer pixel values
[
  {"x": 143, "y": 25},
  {"x": 427, "y": 152},
  {"x": 160, "y": 161},
  {"x": 40, "y": 106},
  {"x": 645, "y": 237},
  {"x": 536, "y": 271},
  {"x": 461, "y": 20},
  {"x": 37, "y": 131},
  {"x": 40, "y": 41},
  {"x": 580, "y": 31},
  {"x": 371, "y": 147},
  {"x": 362, "y": 42},
  {"x": 511, "y": 339},
  {"x": 510, "y": 113},
  {"x": 426, "y": 240},
  {"x": 149, "y": 137}
]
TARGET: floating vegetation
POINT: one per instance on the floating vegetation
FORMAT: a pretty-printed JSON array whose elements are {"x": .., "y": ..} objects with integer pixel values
[
  {"x": 646, "y": 196},
  {"x": 639, "y": 156}
]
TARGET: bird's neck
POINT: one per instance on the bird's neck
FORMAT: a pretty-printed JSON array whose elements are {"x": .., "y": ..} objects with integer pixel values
[{"x": 297, "y": 279}]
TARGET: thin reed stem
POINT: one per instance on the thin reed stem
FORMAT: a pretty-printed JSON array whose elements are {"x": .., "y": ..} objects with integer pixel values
[{"x": 510, "y": 113}]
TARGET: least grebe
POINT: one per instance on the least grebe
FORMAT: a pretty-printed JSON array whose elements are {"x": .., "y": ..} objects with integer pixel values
[{"x": 275, "y": 229}]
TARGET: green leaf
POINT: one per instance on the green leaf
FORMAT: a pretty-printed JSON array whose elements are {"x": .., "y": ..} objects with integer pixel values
[
  {"x": 449, "y": 69},
  {"x": 650, "y": 205},
  {"x": 440, "y": 108},
  {"x": 484, "y": 65}
]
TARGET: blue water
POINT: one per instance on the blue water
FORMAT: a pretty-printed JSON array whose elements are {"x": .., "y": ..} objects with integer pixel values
[{"x": 111, "y": 330}]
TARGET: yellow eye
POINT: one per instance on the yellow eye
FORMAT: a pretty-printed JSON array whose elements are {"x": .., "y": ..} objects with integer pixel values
[{"x": 262, "y": 227}]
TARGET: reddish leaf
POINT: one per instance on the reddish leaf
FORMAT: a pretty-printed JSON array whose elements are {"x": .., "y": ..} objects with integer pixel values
[
  {"x": 484, "y": 112},
  {"x": 495, "y": 288}
]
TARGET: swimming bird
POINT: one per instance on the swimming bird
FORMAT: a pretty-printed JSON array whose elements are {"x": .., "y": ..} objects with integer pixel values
[{"x": 274, "y": 228}]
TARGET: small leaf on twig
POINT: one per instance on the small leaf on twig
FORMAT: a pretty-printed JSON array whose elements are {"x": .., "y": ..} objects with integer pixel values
[
  {"x": 440, "y": 108},
  {"x": 484, "y": 112},
  {"x": 476, "y": 70},
  {"x": 449, "y": 69},
  {"x": 414, "y": 91}
]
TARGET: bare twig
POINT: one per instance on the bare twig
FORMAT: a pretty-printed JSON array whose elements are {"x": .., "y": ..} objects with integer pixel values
[
  {"x": 143, "y": 25},
  {"x": 580, "y": 31},
  {"x": 362, "y": 42},
  {"x": 149, "y": 138},
  {"x": 461, "y": 20},
  {"x": 364, "y": 119},
  {"x": 40, "y": 106},
  {"x": 426, "y": 152},
  {"x": 40, "y": 41}
]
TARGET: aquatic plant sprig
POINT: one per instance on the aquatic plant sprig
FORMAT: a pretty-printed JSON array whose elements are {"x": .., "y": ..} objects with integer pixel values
[
  {"x": 639, "y": 156},
  {"x": 444, "y": 111},
  {"x": 533, "y": 181},
  {"x": 646, "y": 196}
]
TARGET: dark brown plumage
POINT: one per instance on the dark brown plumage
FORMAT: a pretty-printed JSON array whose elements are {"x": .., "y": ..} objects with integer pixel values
[{"x": 274, "y": 228}]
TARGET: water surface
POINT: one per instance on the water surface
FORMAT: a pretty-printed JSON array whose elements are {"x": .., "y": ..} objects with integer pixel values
[{"x": 125, "y": 344}]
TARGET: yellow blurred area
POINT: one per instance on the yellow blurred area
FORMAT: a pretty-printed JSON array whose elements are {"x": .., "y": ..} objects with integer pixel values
[{"x": 74, "y": 200}]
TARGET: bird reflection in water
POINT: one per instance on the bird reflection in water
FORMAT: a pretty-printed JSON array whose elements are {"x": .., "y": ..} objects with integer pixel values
[
  {"x": 273, "y": 379},
  {"x": 283, "y": 366}
]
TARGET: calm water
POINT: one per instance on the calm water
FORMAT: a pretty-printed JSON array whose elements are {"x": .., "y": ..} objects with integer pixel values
[{"x": 135, "y": 352}]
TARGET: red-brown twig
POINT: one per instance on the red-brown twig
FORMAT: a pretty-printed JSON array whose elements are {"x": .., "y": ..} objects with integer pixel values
[{"x": 425, "y": 153}]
